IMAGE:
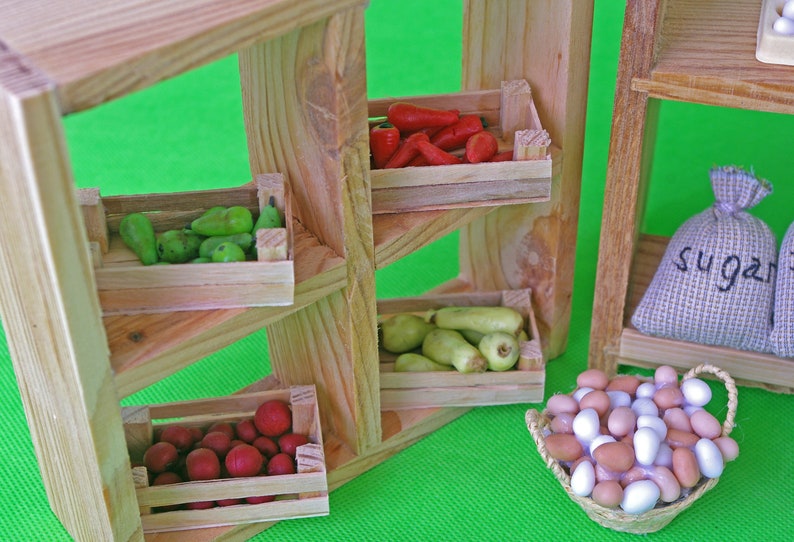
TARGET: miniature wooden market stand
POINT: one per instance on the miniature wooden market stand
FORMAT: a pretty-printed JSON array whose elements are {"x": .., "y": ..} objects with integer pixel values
[
  {"x": 666, "y": 55},
  {"x": 75, "y": 363}
]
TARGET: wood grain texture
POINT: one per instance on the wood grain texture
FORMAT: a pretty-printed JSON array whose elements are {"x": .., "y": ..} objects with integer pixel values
[
  {"x": 548, "y": 44},
  {"x": 52, "y": 318},
  {"x": 97, "y": 50},
  {"x": 624, "y": 189}
]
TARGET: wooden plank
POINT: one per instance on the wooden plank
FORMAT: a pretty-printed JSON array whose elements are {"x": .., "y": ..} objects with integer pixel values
[
  {"x": 547, "y": 43},
  {"x": 52, "y": 317},
  {"x": 97, "y": 50},
  {"x": 626, "y": 177}
]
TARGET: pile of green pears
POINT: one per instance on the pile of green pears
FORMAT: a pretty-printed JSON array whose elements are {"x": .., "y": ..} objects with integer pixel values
[{"x": 221, "y": 234}]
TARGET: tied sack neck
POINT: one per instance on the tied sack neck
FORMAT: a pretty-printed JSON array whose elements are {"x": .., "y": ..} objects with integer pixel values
[{"x": 737, "y": 190}]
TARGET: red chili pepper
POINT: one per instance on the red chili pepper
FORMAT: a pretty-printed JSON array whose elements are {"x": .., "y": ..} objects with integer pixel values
[
  {"x": 505, "y": 156},
  {"x": 408, "y": 117},
  {"x": 481, "y": 147},
  {"x": 456, "y": 135},
  {"x": 407, "y": 151},
  {"x": 436, "y": 156},
  {"x": 383, "y": 142}
]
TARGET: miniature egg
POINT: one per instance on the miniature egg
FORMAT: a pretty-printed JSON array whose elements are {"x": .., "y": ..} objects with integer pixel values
[
  {"x": 665, "y": 376},
  {"x": 583, "y": 479},
  {"x": 644, "y": 405},
  {"x": 626, "y": 383},
  {"x": 632, "y": 475},
  {"x": 646, "y": 445},
  {"x": 668, "y": 397},
  {"x": 608, "y": 493},
  {"x": 603, "y": 474},
  {"x": 614, "y": 456},
  {"x": 681, "y": 439},
  {"x": 560, "y": 403},
  {"x": 696, "y": 392},
  {"x": 664, "y": 457},
  {"x": 562, "y": 423},
  {"x": 618, "y": 398},
  {"x": 709, "y": 458},
  {"x": 621, "y": 421},
  {"x": 597, "y": 400},
  {"x": 599, "y": 440},
  {"x": 788, "y": 10},
  {"x": 586, "y": 425},
  {"x": 655, "y": 423},
  {"x": 676, "y": 418},
  {"x": 669, "y": 488},
  {"x": 592, "y": 378},
  {"x": 784, "y": 25},
  {"x": 640, "y": 496},
  {"x": 705, "y": 425},
  {"x": 645, "y": 390},
  {"x": 691, "y": 409},
  {"x": 581, "y": 392},
  {"x": 728, "y": 447},
  {"x": 685, "y": 467},
  {"x": 564, "y": 447}
]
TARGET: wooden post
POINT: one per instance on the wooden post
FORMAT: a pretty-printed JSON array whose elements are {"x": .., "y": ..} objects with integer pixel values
[
  {"x": 52, "y": 317},
  {"x": 533, "y": 245},
  {"x": 305, "y": 103}
]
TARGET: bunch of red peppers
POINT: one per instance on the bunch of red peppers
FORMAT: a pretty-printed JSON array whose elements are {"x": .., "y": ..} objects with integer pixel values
[{"x": 414, "y": 135}]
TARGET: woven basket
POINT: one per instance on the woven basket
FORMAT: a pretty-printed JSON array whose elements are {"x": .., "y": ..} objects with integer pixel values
[{"x": 615, "y": 518}]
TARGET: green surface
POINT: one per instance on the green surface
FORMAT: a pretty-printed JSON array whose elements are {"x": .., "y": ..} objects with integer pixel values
[{"x": 480, "y": 477}]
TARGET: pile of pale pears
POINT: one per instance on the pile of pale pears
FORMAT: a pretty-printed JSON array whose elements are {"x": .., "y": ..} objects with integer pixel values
[{"x": 469, "y": 339}]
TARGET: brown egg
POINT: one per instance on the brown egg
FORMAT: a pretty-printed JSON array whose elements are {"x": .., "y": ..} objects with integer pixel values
[
  {"x": 676, "y": 418},
  {"x": 665, "y": 376},
  {"x": 668, "y": 397},
  {"x": 728, "y": 447},
  {"x": 685, "y": 467},
  {"x": 632, "y": 475},
  {"x": 562, "y": 423},
  {"x": 681, "y": 439},
  {"x": 705, "y": 424},
  {"x": 614, "y": 456},
  {"x": 627, "y": 383},
  {"x": 560, "y": 403},
  {"x": 621, "y": 421},
  {"x": 563, "y": 447},
  {"x": 669, "y": 487},
  {"x": 580, "y": 460},
  {"x": 608, "y": 493},
  {"x": 592, "y": 378},
  {"x": 598, "y": 400}
]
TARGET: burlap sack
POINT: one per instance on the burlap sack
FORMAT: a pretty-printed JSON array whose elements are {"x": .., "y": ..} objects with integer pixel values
[
  {"x": 783, "y": 330},
  {"x": 715, "y": 284}
]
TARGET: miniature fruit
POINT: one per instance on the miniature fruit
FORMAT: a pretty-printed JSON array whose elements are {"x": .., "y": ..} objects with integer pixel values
[
  {"x": 416, "y": 363},
  {"x": 223, "y": 427},
  {"x": 178, "y": 246},
  {"x": 160, "y": 456},
  {"x": 235, "y": 219},
  {"x": 203, "y": 464},
  {"x": 289, "y": 443},
  {"x": 280, "y": 463},
  {"x": 448, "y": 347},
  {"x": 403, "y": 332},
  {"x": 246, "y": 430},
  {"x": 244, "y": 460},
  {"x": 482, "y": 319},
  {"x": 228, "y": 252},
  {"x": 218, "y": 442},
  {"x": 273, "y": 418},
  {"x": 179, "y": 436},
  {"x": 266, "y": 446},
  {"x": 137, "y": 232},
  {"x": 500, "y": 349},
  {"x": 243, "y": 240},
  {"x": 269, "y": 216}
]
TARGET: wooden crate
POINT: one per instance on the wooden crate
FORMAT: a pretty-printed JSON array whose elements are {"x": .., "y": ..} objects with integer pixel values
[
  {"x": 304, "y": 494},
  {"x": 506, "y": 111},
  {"x": 523, "y": 384},
  {"x": 126, "y": 286}
]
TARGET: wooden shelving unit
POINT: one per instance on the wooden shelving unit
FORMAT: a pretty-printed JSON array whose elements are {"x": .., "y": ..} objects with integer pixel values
[
  {"x": 668, "y": 52},
  {"x": 74, "y": 364}
]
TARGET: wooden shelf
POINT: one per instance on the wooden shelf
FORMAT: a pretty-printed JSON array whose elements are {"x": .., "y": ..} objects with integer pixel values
[{"x": 705, "y": 54}]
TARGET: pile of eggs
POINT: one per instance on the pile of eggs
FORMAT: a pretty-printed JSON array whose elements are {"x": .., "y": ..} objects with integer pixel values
[
  {"x": 784, "y": 24},
  {"x": 634, "y": 444}
]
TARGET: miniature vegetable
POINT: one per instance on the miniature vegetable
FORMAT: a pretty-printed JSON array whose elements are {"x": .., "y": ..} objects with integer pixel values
[
  {"x": 137, "y": 232},
  {"x": 481, "y": 147},
  {"x": 228, "y": 221},
  {"x": 409, "y": 117},
  {"x": 456, "y": 135},
  {"x": 383, "y": 142},
  {"x": 407, "y": 151},
  {"x": 436, "y": 156}
]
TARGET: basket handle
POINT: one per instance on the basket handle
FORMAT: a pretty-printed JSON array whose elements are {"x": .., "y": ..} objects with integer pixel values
[
  {"x": 536, "y": 423},
  {"x": 730, "y": 385}
]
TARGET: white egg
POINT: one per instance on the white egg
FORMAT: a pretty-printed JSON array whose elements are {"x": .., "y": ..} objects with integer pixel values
[
  {"x": 664, "y": 457},
  {"x": 788, "y": 10},
  {"x": 581, "y": 392},
  {"x": 618, "y": 398},
  {"x": 640, "y": 496},
  {"x": 709, "y": 458},
  {"x": 646, "y": 445},
  {"x": 783, "y": 25},
  {"x": 655, "y": 423},
  {"x": 696, "y": 392},
  {"x": 599, "y": 440},
  {"x": 586, "y": 425},
  {"x": 644, "y": 406},
  {"x": 646, "y": 390},
  {"x": 583, "y": 479}
]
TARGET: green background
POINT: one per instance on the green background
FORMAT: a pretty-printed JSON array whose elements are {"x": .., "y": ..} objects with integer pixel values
[{"x": 480, "y": 477}]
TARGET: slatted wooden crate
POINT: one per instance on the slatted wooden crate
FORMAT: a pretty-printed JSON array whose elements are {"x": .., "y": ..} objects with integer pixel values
[
  {"x": 304, "y": 494},
  {"x": 522, "y": 384},
  {"x": 126, "y": 286},
  {"x": 422, "y": 188}
]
